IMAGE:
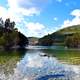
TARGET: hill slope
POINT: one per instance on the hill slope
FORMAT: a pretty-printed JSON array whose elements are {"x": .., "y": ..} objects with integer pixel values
[
  {"x": 69, "y": 36},
  {"x": 70, "y": 29}
]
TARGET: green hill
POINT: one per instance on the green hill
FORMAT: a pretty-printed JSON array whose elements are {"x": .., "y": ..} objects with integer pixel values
[
  {"x": 70, "y": 30},
  {"x": 69, "y": 36}
]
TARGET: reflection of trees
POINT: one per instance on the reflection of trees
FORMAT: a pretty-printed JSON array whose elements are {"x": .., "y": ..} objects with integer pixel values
[
  {"x": 65, "y": 56},
  {"x": 9, "y": 59}
]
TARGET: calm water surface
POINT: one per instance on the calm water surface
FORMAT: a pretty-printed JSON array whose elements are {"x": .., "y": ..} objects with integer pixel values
[{"x": 39, "y": 63}]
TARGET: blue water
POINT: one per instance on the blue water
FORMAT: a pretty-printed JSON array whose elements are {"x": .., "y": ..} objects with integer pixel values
[{"x": 35, "y": 65}]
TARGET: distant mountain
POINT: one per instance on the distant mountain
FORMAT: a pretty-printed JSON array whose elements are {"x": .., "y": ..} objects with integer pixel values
[{"x": 33, "y": 40}]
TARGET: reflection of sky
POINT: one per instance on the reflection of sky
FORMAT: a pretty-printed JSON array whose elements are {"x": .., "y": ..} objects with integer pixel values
[
  {"x": 44, "y": 47},
  {"x": 33, "y": 66}
]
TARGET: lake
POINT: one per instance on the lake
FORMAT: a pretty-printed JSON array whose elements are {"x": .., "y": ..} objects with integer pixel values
[{"x": 40, "y": 63}]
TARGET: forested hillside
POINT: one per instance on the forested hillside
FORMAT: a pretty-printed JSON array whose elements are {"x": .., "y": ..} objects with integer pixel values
[{"x": 69, "y": 37}]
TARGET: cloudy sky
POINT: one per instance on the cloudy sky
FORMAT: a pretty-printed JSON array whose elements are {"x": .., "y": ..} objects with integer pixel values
[{"x": 41, "y": 17}]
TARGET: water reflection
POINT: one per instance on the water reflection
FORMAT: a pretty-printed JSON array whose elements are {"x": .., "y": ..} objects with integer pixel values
[
  {"x": 34, "y": 66},
  {"x": 8, "y": 60},
  {"x": 36, "y": 63},
  {"x": 69, "y": 56}
]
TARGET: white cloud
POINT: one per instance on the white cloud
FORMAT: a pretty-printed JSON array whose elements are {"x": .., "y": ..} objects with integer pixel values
[
  {"x": 35, "y": 26},
  {"x": 17, "y": 13},
  {"x": 35, "y": 29},
  {"x": 3, "y": 12},
  {"x": 76, "y": 13},
  {"x": 74, "y": 21},
  {"x": 15, "y": 5},
  {"x": 10, "y": 13}
]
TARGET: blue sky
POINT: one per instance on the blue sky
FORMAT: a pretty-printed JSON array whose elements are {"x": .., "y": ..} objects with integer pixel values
[{"x": 41, "y": 17}]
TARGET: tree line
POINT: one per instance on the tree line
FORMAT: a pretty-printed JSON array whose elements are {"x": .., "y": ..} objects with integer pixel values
[{"x": 9, "y": 35}]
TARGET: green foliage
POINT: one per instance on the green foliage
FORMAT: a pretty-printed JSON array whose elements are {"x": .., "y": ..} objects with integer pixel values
[
  {"x": 9, "y": 36},
  {"x": 73, "y": 41},
  {"x": 69, "y": 37},
  {"x": 2, "y": 41},
  {"x": 46, "y": 41},
  {"x": 23, "y": 41}
]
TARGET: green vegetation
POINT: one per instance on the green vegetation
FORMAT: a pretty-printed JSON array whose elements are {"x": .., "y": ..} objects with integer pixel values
[
  {"x": 69, "y": 37},
  {"x": 69, "y": 56},
  {"x": 46, "y": 41},
  {"x": 9, "y": 35},
  {"x": 73, "y": 41}
]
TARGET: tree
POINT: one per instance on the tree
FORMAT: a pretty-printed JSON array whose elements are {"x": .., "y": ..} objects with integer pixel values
[
  {"x": 7, "y": 23},
  {"x": 22, "y": 41},
  {"x": 1, "y": 23},
  {"x": 12, "y": 24},
  {"x": 69, "y": 41}
]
